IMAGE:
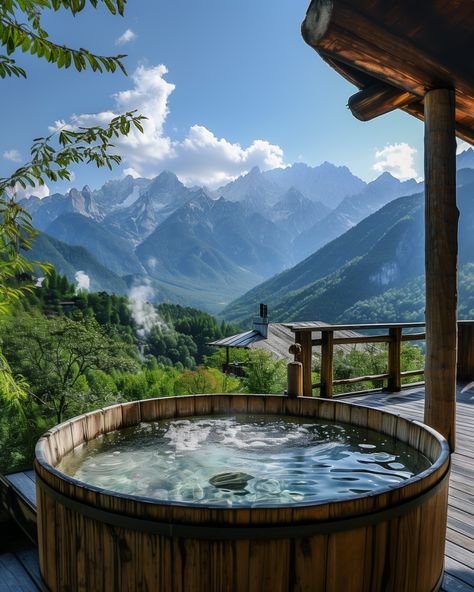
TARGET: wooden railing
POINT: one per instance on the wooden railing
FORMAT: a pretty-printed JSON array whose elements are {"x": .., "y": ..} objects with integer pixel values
[{"x": 394, "y": 336}]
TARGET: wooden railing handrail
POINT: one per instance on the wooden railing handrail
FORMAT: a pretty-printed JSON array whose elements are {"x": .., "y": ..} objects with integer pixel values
[
  {"x": 310, "y": 326},
  {"x": 331, "y": 337},
  {"x": 307, "y": 326},
  {"x": 372, "y": 339}
]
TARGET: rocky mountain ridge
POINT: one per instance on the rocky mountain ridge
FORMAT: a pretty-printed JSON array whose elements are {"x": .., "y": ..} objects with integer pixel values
[{"x": 207, "y": 247}]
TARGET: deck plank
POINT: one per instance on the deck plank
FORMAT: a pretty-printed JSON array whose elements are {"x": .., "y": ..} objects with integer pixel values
[
  {"x": 13, "y": 575},
  {"x": 453, "y": 584},
  {"x": 29, "y": 560}
]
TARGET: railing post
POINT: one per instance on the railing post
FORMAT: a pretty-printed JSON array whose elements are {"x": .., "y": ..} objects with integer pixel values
[
  {"x": 295, "y": 379},
  {"x": 327, "y": 353},
  {"x": 305, "y": 339},
  {"x": 466, "y": 350},
  {"x": 394, "y": 360}
]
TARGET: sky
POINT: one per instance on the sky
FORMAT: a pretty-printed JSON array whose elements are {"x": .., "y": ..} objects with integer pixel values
[{"x": 226, "y": 85}]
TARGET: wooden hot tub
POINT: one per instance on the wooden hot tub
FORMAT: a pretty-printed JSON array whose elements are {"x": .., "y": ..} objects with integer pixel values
[{"x": 94, "y": 540}]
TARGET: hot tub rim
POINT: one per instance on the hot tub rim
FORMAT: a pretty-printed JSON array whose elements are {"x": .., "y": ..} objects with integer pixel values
[
  {"x": 236, "y": 532},
  {"x": 442, "y": 459}
]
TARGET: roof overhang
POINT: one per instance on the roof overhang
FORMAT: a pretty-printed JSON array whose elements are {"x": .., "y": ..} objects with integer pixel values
[
  {"x": 395, "y": 52},
  {"x": 240, "y": 340}
]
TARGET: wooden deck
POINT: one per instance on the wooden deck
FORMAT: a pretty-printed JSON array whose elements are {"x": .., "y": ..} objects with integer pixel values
[
  {"x": 19, "y": 564},
  {"x": 459, "y": 563},
  {"x": 19, "y": 569}
]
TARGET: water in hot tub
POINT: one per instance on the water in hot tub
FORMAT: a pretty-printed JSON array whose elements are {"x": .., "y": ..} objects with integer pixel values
[{"x": 244, "y": 460}]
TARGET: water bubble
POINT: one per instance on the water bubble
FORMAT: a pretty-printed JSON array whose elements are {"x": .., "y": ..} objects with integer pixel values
[{"x": 396, "y": 465}]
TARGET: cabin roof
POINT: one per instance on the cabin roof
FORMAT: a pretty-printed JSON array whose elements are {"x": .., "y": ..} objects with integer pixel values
[
  {"x": 280, "y": 338},
  {"x": 238, "y": 340},
  {"x": 396, "y": 51}
]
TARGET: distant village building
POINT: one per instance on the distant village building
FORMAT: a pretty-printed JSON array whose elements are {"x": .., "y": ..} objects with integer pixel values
[{"x": 276, "y": 338}]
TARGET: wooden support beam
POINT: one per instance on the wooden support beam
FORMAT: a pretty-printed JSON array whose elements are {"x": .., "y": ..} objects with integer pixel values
[
  {"x": 327, "y": 357},
  {"x": 367, "y": 43},
  {"x": 305, "y": 356},
  {"x": 340, "y": 31},
  {"x": 394, "y": 352},
  {"x": 441, "y": 246},
  {"x": 378, "y": 99},
  {"x": 417, "y": 110}
]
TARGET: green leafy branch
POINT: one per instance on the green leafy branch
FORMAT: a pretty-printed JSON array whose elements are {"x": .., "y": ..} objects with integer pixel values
[
  {"x": 84, "y": 145},
  {"x": 12, "y": 388},
  {"x": 16, "y": 236},
  {"x": 9, "y": 68},
  {"x": 31, "y": 38}
]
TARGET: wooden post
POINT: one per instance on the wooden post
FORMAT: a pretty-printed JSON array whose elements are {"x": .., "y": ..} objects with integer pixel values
[
  {"x": 295, "y": 379},
  {"x": 305, "y": 339},
  {"x": 441, "y": 246},
  {"x": 394, "y": 353},
  {"x": 466, "y": 350},
  {"x": 327, "y": 353}
]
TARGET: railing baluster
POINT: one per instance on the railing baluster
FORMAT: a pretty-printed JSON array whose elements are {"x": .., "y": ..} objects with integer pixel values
[
  {"x": 327, "y": 356},
  {"x": 305, "y": 356},
  {"x": 394, "y": 361}
]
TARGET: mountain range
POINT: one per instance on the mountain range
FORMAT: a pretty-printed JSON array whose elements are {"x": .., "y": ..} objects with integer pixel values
[
  {"x": 208, "y": 248},
  {"x": 346, "y": 280}
]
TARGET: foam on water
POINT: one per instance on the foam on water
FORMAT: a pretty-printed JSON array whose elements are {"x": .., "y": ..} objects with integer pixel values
[{"x": 279, "y": 460}]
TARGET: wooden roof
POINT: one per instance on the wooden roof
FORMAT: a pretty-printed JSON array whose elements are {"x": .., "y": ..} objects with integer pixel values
[
  {"x": 395, "y": 51},
  {"x": 280, "y": 337}
]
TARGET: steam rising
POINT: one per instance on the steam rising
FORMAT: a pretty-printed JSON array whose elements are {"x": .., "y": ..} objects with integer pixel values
[
  {"x": 83, "y": 281},
  {"x": 143, "y": 312}
]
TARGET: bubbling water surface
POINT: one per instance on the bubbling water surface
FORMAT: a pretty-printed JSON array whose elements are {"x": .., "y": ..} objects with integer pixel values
[{"x": 244, "y": 460}]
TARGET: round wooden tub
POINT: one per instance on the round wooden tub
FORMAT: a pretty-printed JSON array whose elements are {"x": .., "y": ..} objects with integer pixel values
[{"x": 94, "y": 540}]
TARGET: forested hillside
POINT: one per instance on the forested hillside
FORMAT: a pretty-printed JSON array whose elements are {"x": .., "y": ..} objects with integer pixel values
[
  {"x": 72, "y": 351},
  {"x": 362, "y": 274}
]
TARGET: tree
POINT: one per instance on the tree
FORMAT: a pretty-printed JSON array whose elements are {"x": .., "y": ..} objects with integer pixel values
[
  {"x": 55, "y": 356},
  {"x": 205, "y": 380},
  {"x": 21, "y": 30},
  {"x": 264, "y": 374}
]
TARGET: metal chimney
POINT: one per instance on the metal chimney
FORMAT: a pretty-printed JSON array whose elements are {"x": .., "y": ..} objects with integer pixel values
[{"x": 260, "y": 324}]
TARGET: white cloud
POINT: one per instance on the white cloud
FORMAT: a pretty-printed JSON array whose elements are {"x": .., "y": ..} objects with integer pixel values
[
  {"x": 126, "y": 37},
  {"x": 19, "y": 193},
  {"x": 83, "y": 281},
  {"x": 398, "y": 160},
  {"x": 200, "y": 158},
  {"x": 205, "y": 159},
  {"x": 462, "y": 146},
  {"x": 12, "y": 155}
]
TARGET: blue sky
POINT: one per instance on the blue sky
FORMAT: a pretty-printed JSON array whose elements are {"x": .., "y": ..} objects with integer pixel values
[{"x": 238, "y": 87}]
